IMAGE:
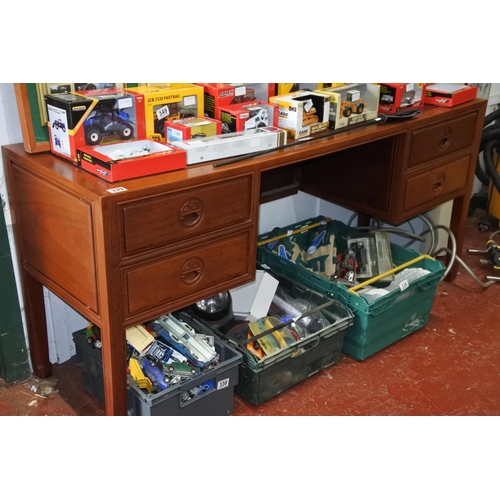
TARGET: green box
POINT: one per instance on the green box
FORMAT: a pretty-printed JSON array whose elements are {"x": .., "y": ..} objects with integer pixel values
[{"x": 377, "y": 324}]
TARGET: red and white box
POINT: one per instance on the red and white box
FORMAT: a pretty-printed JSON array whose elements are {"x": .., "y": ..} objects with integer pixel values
[
  {"x": 449, "y": 94},
  {"x": 131, "y": 159},
  {"x": 396, "y": 97},
  {"x": 241, "y": 117},
  {"x": 191, "y": 128}
]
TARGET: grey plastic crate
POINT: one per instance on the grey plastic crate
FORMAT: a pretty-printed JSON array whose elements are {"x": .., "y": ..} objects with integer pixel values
[{"x": 218, "y": 401}]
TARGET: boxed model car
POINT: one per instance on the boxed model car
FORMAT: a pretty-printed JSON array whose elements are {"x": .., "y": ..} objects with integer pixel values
[
  {"x": 167, "y": 102},
  {"x": 191, "y": 128},
  {"x": 255, "y": 114},
  {"x": 224, "y": 94},
  {"x": 131, "y": 159},
  {"x": 93, "y": 117},
  {"x": 449, "y": 94},
  {"x": 352, "y": 103},
  {"x": 302, "y": 113},
  {"x": 234, "y": 144},
  {"x": 395, "y": 97}
]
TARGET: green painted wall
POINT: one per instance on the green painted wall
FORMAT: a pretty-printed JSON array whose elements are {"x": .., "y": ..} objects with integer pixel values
[{"x": 14, "y": 364}]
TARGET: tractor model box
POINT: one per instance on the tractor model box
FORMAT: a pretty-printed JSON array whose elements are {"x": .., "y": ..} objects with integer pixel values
[
  {"x": 287, "y": 88},
  {"x": 396, "y": 97},
  {"x": 131, "y": 159},
  {"x": 352, "y": 103},
  {"x": 241, "y": 117},
  {"x": 164, "y": 102},
  {"x": 92, "y": 117},
  {"x": 224, "y": 94},
  {"x": 302, "y": 113},
  {"x": 192, "y": 128}
]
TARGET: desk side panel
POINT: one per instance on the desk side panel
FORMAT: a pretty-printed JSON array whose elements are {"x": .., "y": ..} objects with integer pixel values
[{"x": 56, "y": 237}]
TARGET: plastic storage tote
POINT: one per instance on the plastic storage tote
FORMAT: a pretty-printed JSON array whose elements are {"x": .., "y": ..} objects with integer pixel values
[
  {"x": 218, "y": 401},
  {"x": 262, "y": 379},
  {"x": 380, "y": 323}
]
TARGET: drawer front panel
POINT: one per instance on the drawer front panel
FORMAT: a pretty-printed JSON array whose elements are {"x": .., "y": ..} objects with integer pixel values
[
  {"x": 166, "y": 219},
  {"x": 444, "y": 138},
  {"x": 162, "y": 281},
  {"x": 435, "y": 183}
]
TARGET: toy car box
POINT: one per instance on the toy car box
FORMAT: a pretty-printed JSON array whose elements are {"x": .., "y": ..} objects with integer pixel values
[
  {"x": 128, "y": 160},
  {"x": 261, "y": 379},
  {"x": 234, "y": 144},
  {"x": 352, "y": 103},
  {"x": 218, "y": 401},
  {"x": 241, "y": 117},
  {"x": 287, "y": 88},
  {"x": 377, "y": 324},
  {"x": 167, "y": 102},
  {"x": 396, "y": 97},
  {"x": 302, "y": 113},
  {"x": 192, "y": 128},
  {"x": 449, "y": 94},
  {"x": 225, "y": 94},
  {"x": 93, "y": 117}
]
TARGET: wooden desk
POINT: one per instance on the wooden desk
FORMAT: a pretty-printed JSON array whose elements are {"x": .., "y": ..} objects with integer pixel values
[{"x": 169, "y": 240}]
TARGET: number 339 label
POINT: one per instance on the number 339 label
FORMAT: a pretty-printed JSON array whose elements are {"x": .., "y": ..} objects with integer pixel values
[{"x": 222, "y": 384}]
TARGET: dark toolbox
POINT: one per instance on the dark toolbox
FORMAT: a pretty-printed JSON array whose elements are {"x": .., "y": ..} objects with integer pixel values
[
  {"x": 218, "y": 401},
  {"x": 262, "y": 379},
  {"x": 377, "y": 324}
]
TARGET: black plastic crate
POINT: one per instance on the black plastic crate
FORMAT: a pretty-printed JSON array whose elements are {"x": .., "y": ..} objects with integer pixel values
[
  {"x": 218, "y": 401},
  {"x": 261, "y": 380}
]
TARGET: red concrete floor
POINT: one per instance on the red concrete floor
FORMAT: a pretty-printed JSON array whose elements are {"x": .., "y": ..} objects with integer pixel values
[{"x": 449, "y": 367}]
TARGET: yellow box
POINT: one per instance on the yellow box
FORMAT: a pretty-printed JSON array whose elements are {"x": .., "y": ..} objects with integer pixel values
[
  {"x": 287, "y": 88},
  {"x": 352, "y": 103},
  {"x": 302, "y": 113},
  {"x": 168, "y": 102}
]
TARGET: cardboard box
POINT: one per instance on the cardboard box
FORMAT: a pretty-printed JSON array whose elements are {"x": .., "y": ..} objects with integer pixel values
[
  {"x": 227, "y": 145},
  {"x": 253, "y": 301},
  {"x": 302, "y": 113},
  {"x": 191, "y": 128},
  {"x": 449, "y": 94},
  {"x": 93, "y": 117},
  {"x": 131, "y": 159},
  {"x": 167, "y": 102},
  {"x": 395, "y": 97},
  {"x": 241, "y": 117},
  {"x": 288, "y": 88},
  {"x": 226, "y": 94},
  {"x": 352, "y": 103}
]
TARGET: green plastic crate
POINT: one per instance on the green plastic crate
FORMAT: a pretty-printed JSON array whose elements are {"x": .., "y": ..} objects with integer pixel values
[{"x": 377, "y": 324}]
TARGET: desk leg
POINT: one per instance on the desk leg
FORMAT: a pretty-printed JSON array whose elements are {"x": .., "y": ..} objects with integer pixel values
[
  {"x": 114, "y": 370},
  {"x": 36, "y": 321}
]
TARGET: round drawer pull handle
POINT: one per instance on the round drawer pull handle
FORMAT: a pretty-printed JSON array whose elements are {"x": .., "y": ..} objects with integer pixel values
[
  {"x": 191, "y": 212},
  {"x": 192, "y": 270},
  {"x": 438, "y": 182},
  {"x": 444, "y": 139}
]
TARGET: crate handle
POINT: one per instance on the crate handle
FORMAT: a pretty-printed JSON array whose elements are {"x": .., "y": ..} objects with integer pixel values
[
  {"x": 296, "y": 231},
  {"x": 388, "y": 273}
]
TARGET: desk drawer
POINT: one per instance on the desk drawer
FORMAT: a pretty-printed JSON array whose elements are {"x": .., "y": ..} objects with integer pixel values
[
  {"x": 162, "y": 220},
  {"x": 163, "y": 281},
  {"x": 435, "y": 183},
  {"x": 429, "y": 143}
]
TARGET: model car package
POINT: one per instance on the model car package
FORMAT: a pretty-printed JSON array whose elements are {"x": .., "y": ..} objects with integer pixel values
[
  {"x": 128, "y": 160},
  {"x": 164, "y": 102},
  {"x": 191, "y": 128},
  {"x": 302, "y": 113},
  {"x": 225, "y": 94},
  {"x": 449, "y": 94},
  {"x": 396, "y": 97},
  {"x": 352, "y": 103},
  {"x": 89, "y": 118},
  {"x": 227, "y": 145},
  {"x": 255, "y": 114}
]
